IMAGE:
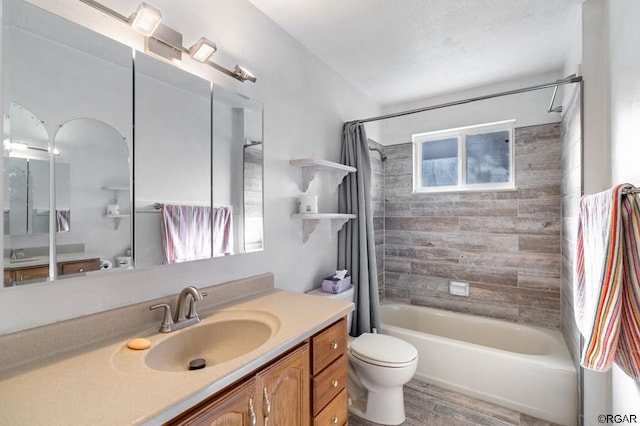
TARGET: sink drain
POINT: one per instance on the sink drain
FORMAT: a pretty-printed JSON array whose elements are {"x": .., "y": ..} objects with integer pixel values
[{"x": 197, "y": 364}]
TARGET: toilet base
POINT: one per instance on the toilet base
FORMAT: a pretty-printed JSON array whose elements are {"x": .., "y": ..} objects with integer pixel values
[{"x": 387, "y": 409}]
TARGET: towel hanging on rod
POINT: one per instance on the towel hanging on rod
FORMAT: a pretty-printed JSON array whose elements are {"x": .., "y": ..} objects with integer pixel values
[{"x": 607, "y": 280}]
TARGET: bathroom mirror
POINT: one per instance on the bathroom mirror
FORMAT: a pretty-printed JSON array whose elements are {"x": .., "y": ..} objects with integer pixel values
[
  {"x": 26, "y": 175},
  {"x": 63, "y": 74},
  {"x": 98, "y": 157},
  {"x": 65, "y": 77},
  {"x": 172, "y": 160},
  {"x": 237, "y": 169}
]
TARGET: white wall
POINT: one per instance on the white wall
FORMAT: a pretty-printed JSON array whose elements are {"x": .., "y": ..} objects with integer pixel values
[
  {"x": 624, "y": 69},
  {"x": 596, "y": 160},
  {"x": 305, "y": 104},
  {"x": 610, "y": 64},
  {"x": 527, "y": 108}
]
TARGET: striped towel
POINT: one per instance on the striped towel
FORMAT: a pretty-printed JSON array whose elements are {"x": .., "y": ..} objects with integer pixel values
[
  {"x": 606, "y": 280},
  {"x": 186, "y": 232}
]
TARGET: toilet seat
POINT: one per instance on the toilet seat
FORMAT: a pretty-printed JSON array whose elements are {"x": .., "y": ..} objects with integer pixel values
[{"x": 383, "y": 350}]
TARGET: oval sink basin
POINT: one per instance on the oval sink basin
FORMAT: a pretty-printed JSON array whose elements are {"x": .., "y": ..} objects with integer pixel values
[{"x": 216, "y": 341}]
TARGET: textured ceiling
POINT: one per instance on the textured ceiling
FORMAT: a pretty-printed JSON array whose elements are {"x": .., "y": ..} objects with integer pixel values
[{"x": 401, "y": 50}]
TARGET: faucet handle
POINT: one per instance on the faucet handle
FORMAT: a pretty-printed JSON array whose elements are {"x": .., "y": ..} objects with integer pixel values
[
  {"x": 165, "y": 327},
  {"x": 193, "y": 312}
]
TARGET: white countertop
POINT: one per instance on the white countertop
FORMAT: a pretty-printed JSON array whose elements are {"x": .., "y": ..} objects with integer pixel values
[{"x": 96, "y": 386}]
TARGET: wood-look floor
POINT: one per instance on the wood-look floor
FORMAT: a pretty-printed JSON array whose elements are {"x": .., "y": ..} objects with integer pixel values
[{"x": 430, "y": 405}]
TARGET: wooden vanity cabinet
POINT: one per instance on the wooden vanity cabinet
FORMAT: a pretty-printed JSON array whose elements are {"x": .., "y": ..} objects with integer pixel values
[
  {"x": 303, "y": 387},
  {"x": 26, "y": 273},
  {"x": 277, "y": 395}
]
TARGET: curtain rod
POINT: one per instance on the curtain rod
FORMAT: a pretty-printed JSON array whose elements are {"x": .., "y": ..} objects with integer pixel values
[{"x": 567, "y": 80}]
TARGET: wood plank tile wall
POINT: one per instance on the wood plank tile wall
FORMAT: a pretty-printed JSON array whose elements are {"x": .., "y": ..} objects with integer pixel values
[{"x": 505, "y": 244}]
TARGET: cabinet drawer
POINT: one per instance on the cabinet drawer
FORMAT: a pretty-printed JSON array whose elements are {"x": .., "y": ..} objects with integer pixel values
[
  {"x": 329, "y": 383},
  {"x": 67, "y": 268},
  {"x": 33, "y": 273},
  {"x": 335, "y": 413},
  {"x": 329, "y": 345}
]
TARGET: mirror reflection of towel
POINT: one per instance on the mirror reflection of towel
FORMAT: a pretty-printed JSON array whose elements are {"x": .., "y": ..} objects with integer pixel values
[
  {"x": 63, "y": 220},
  {"x": 222, "y": 231}
]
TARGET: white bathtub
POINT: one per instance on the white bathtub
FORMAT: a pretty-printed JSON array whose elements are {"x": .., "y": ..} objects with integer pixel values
[{"x": 517, "y": 366}]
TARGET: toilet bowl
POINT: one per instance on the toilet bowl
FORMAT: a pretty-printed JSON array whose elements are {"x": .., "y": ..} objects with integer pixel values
[{"x": 379, "y": 366}]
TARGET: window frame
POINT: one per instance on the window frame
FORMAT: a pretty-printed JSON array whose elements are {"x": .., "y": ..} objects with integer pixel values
[{"x": 461, "y": 134}]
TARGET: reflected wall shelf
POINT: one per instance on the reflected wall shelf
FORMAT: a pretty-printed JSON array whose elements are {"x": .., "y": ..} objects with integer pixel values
[
  {"x": 116, "y": 200},
  {"x": 310, "y": 167},
  {"x": 311, "y": 220},
  {"x": 116, "y": 219}
]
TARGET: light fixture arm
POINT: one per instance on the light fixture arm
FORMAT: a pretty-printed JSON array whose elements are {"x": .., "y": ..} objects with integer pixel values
[
  {"x": 107, "y": 11},
  {"x": 238, "y": 73}
]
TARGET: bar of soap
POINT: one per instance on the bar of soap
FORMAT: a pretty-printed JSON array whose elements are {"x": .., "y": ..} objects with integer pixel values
[{"x": 139, "y": 344}]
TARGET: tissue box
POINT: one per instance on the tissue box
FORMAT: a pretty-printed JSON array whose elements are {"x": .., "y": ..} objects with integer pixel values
[{"x": 335, "y": 286}]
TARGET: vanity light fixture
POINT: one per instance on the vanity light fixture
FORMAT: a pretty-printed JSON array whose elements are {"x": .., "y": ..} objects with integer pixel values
[
  {"x": 165, "y": 42},
  {"x": 243, "y": 74},
  {"x": 145, "y": 19},
  {"x": 203, "y": 49}
]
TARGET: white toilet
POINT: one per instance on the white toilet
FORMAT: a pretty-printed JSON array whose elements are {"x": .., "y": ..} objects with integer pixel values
[{"x": 379, "y": 366}]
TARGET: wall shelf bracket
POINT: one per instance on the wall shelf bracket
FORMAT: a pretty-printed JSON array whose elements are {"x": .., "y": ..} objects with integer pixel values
[
  {"x": 311, "y": 220},
  {"x": 311, "y": 166}
]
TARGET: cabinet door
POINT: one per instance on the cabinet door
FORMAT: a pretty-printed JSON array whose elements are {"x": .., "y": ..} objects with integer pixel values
[
  {"x": 284, "y": 390},
  {"x": 234, "y": 408}
]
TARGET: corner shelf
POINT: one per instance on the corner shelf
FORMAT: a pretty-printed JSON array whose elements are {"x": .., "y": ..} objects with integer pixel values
[
  {"x": 311, "y": 220},
  {"x": 310, "y": 167}
]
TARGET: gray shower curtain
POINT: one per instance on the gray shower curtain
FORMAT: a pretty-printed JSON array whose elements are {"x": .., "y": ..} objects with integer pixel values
[{"x": 356, "y": 245}]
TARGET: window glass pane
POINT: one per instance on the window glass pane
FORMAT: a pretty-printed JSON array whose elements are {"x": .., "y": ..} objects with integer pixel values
[
  {"x": 440, "y": 162},
  {"x": 488, "y": 157}
]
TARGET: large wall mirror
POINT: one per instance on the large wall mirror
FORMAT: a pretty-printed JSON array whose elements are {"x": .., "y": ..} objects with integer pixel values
[{"x": 71, "y": 156}]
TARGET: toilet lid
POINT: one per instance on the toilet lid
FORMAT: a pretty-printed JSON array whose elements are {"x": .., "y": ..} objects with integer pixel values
[{"x": 380, "y": 348}]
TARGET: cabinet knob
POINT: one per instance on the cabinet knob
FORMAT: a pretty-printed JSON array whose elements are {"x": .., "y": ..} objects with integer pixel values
[
  {"x": 334, "y": 383},
  {"x": 334, "y": 420},
  {"x": 334, "y": 345}
]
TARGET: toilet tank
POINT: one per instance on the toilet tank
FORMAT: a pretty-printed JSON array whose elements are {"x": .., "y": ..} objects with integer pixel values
[{"x": 346, "y": 295}]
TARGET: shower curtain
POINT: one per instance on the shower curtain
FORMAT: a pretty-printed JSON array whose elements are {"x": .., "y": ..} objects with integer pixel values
[{"x": 356, "y": 245}]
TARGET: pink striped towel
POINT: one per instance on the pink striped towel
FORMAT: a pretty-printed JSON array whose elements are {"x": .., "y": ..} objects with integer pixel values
[{"x": 607, "y": 280}]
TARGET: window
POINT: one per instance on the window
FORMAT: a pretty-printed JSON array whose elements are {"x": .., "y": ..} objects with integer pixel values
[{"x": 474, "y": 158}]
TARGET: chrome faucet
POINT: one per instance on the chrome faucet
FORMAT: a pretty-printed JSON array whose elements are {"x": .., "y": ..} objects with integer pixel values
[{"x": 180, "y": 319}]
